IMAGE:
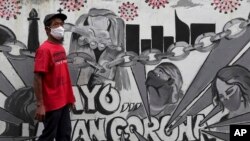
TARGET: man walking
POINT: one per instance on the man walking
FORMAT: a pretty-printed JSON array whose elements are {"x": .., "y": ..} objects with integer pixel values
[{"x": 52, "y": 83}]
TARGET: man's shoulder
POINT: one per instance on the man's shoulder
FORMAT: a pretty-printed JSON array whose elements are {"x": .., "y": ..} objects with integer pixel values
[
  {"x": 48, "y": 44},
  {"x": 44, "y": 46}
]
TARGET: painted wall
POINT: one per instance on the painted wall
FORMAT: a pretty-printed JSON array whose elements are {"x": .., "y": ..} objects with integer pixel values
[{"x": 151, "y": 70}]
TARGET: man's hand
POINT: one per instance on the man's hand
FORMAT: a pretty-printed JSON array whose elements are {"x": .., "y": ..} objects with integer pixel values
[
  {"x": 40, "y": 113},
  {"x": 72, "y": 106},
  {"x": 40, "y": 109}
]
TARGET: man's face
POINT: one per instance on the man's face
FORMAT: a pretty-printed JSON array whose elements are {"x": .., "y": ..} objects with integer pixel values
[{"x": 55, "y": 23}]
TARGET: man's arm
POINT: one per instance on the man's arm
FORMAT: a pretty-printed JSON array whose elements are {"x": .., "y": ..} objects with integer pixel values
[{"x": 40, "y": 110}]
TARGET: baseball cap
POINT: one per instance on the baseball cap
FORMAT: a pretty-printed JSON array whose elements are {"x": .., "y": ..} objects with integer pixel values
[{"x": 55, "y": 15}]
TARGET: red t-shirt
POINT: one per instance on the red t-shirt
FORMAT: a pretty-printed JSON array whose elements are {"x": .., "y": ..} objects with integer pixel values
[{"x": 57, "y": 90}]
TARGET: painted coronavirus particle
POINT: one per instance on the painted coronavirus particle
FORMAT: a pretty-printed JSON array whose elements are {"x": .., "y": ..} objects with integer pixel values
[
  {"x": 157, "y": 3},
  {"x": 9, "y": 9},
  {"x": 128, "y": 11},
  {"x": 73, "y": 5},
  {"x": 226, "y": 6}
]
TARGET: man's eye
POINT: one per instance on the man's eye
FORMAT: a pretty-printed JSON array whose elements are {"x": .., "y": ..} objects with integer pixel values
[{"x": 58, "y": 24}]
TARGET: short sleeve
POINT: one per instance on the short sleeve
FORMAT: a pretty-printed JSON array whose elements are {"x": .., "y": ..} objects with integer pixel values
[{"x": 42, "y": 59}]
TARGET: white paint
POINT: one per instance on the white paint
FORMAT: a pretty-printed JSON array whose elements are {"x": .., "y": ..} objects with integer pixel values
[
  {"x": 79, "y": 104},
  {"x": 40, "y": 128},
  {"x": 2, "y": 126},
  {"x": 25, "y": 129},
  {"x": 2, "y": 99},
  {"x": 7, "y": 69}
]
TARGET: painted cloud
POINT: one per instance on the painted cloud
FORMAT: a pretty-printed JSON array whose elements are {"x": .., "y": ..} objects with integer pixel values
[{"x": 186, "y": 3}]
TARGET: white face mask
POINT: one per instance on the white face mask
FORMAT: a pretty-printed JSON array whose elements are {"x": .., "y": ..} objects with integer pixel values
[{"x": 58, "y": 32}]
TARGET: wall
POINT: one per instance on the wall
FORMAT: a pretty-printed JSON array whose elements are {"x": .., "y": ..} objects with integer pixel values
[{"x": 141, "y": 70}]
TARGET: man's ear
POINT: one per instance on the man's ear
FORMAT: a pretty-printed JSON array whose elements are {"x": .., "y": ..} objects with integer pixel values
[
  {"x": 170, "y": 81},
  {"x": 47, "y": 29}
]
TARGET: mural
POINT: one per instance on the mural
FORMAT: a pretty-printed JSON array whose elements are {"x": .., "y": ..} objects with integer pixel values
[{"x": 151, "y": 70}]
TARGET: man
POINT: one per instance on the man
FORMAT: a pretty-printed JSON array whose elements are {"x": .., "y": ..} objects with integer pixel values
[{"x": 52, "y": 83}]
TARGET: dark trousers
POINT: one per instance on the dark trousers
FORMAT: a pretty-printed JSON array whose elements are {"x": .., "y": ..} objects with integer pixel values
[{"x": 57, "y": 125}]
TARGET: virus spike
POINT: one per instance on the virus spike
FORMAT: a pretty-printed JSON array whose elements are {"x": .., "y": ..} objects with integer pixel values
[{"x": 157, "y": 3}]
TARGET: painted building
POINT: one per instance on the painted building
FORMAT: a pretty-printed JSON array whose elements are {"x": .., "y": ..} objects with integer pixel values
[{"x": 153, "y": 70}]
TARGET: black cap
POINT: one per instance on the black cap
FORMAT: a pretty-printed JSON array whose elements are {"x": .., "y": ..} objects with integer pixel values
[{"x": 52, "y": 16}]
